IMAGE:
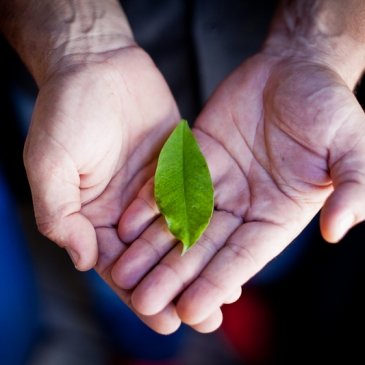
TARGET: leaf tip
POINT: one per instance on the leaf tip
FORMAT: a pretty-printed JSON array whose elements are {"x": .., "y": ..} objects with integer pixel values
[{"x": 185, "y": 248}]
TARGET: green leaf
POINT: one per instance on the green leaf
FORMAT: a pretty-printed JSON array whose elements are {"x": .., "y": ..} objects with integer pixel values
[{"x": 183, "y": 186}]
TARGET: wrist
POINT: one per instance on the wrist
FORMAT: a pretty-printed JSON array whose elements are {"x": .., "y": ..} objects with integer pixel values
[
  {"x": 54, "y": 34},
  {"x": 313, "y": 33},
  {"x": 79, "y": 51}
]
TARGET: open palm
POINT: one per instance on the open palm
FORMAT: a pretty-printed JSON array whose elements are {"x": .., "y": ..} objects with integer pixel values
[
  {"x": 95, "y": 133},
  {"x": 283, "y": 138}
]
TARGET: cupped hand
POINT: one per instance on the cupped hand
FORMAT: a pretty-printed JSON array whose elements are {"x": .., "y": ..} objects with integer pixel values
[
  {"x": 96, "y": 129},
  {"x": 283, "y": 138}
]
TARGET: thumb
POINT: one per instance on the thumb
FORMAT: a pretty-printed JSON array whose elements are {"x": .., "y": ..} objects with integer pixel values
[
  {"x": 54, "y": 183},
  {"x": 345, "y": 207}
]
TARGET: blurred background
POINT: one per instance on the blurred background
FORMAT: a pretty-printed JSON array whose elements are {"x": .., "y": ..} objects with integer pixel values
[{"x": 306, "y": 305}]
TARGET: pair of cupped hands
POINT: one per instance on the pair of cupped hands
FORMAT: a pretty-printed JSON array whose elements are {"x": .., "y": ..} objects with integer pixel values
[{"x": 283, "y": 139}]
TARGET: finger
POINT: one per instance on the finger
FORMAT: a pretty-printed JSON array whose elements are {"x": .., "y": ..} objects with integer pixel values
[
  {"x": 345, "y": 207},
  {"x": 56, "y": 200},
  {"x": 247, "y": 251},
  {"x": 110, "y": 249},
  {"x": 165, "y": 323},
  {"x": 175, "y": 272},
  {"x": 139, "y": 215},
  {"x": 341, "y": 211},
  {"x": 145, "y": 252},
  {"x": 76, "y": 234},
  {"x": 234, "y": 296},
  {"x": 210, "y": 324}
]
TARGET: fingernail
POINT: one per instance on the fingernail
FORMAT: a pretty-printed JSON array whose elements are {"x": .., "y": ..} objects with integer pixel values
[{"x": 73, "y": 255}]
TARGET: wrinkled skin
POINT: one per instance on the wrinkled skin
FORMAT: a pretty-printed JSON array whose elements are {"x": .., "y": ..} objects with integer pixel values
[
  {"x": 283, "y": 138},
  {"x": 96, "y": 130}
]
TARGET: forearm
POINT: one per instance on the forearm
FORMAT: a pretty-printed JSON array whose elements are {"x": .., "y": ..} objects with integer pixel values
[
  {"x": 46, "y": 32},
  {"x": 329, "y": 31}
]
